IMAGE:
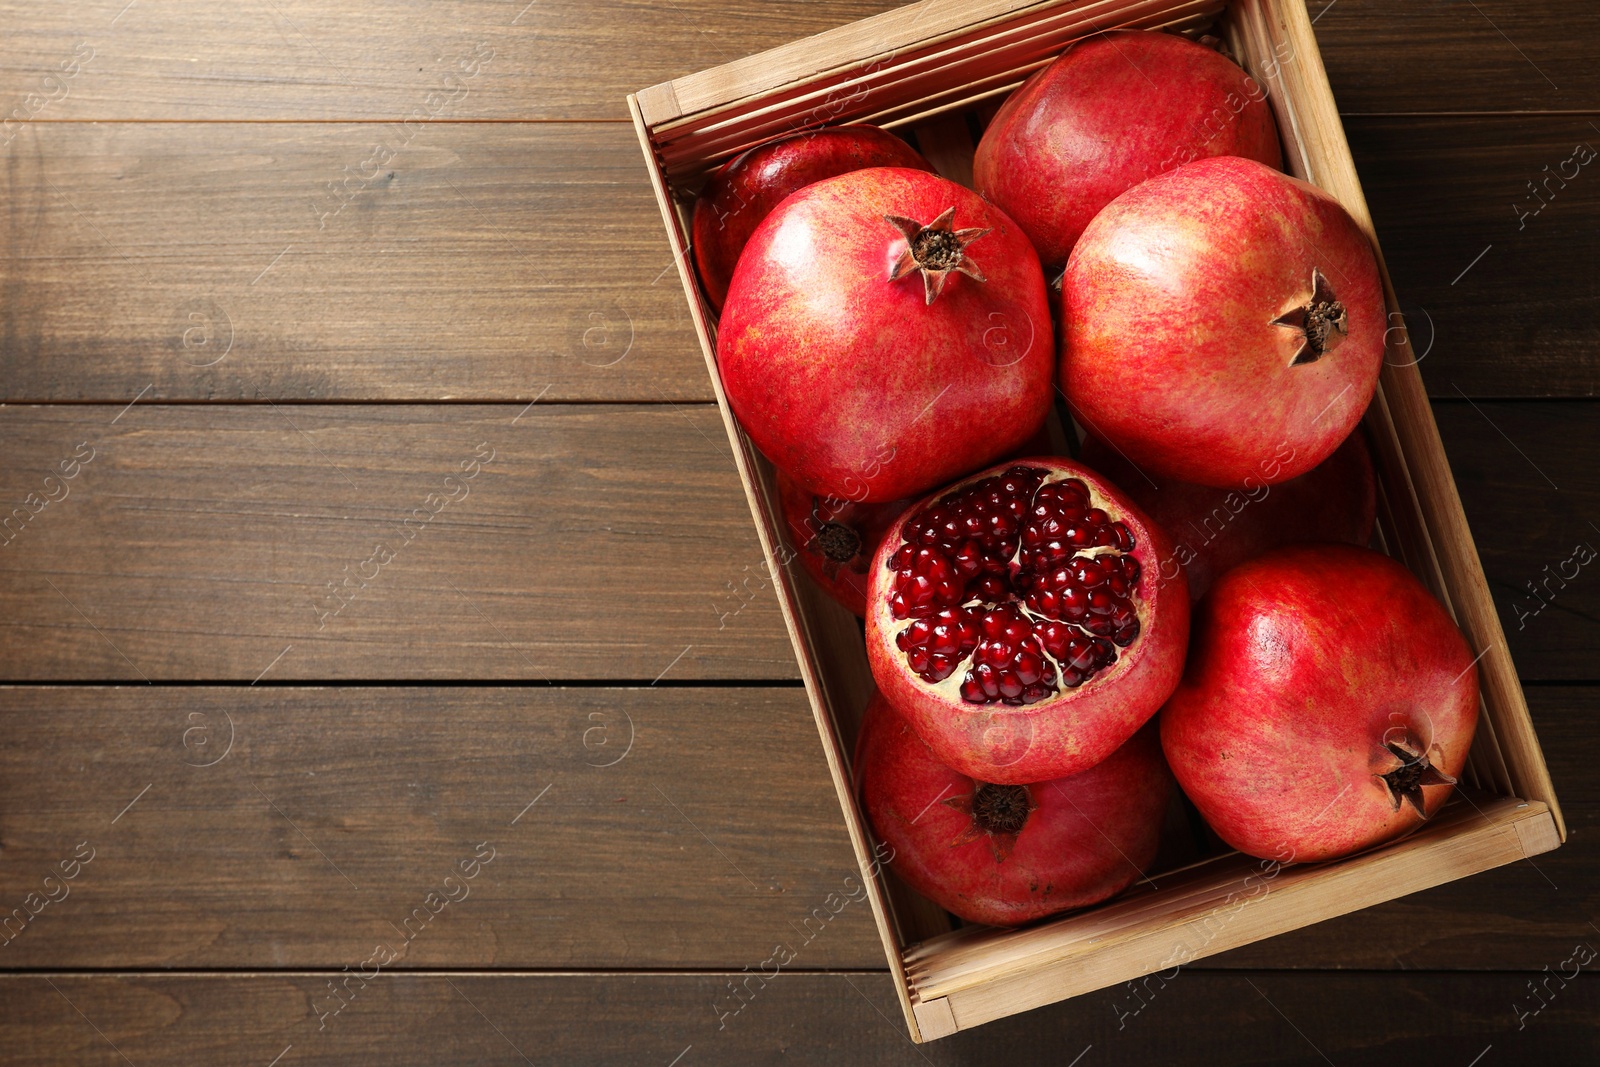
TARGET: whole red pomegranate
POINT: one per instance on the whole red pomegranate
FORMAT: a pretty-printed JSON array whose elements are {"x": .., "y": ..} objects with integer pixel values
[
  {"x": 1018, "y": 620},
  {"x": 1328, "y": 704},
  {"x": 886, "y": 331},
  {"x": 1220, "y": 322},
  {"x": 1114, "y": 110},
  {"x": 835, "y": 540},
  {"x": 1214, "y": 530},
  {"x": 743, "y": 191},
  {"x": 1007, "y": 854}
]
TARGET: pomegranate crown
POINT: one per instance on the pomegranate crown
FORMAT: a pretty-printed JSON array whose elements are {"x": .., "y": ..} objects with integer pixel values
[{"x": 935, "y": 251}]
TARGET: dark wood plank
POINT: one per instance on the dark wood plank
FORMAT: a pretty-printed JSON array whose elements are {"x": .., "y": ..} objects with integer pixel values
[
  {"x": 565, "y": 59},
  {"x": 839, "y": 1019},
  {"x": 1498, "y": 283},
  {"x": 206, "y": 262},
  {"x": 602, "y": 542},
  {"x": 220, "y": 541},
  {"x": 714, "y": 832},
  {"x": 1421, "y": 55},
  {"x": 1531, "y": 491},
  {"x": 675, "y": 828},
  {"x": 496, "y": 261},
  {"x": 303, "y": 59}
]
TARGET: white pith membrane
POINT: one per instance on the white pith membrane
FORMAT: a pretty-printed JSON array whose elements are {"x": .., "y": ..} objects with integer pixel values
[{"x": 950, "y": 687}]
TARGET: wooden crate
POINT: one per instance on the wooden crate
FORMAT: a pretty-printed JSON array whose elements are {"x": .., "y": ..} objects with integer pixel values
[{"x": 930, "y": 67}]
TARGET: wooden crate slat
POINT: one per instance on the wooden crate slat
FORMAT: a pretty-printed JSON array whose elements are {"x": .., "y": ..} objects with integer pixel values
[
  {"x": 1333, "y": 168},
  {"x": 1451, "y": 849},
  {"x": 690, "y": 144}
]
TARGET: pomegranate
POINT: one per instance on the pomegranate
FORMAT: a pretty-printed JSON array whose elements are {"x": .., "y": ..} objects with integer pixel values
[
  {"x": 1221, "y": 319},
  {"x": 743, "y": 191},
  {"x": 1114, "y": 110},
  {"x": 835, "y": 540},
  {"x": 886, "y": 330},
  {"x": 1213, "y": 530},
  {"x": 1328, "y": 704},
  {"x": 1007, "y": 854},
  {"x": 1018, "y": 620}
]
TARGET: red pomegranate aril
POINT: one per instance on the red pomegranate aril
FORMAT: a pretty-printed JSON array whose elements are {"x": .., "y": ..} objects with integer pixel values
[
  {"x": 1215, "y": 530},
  {"x": 1068, "y": 594},
  {"x": 1042, "y": 571}
]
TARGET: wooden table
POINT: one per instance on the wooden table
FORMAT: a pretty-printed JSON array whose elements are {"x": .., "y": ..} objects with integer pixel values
[{"x": 393, "y": 672}]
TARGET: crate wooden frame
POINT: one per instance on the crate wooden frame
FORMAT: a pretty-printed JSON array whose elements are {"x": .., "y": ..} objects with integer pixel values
[{"x": 923, "y": 66}]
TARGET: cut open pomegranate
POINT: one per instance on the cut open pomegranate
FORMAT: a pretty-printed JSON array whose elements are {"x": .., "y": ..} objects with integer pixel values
[{"x": 1019, "y": 620}]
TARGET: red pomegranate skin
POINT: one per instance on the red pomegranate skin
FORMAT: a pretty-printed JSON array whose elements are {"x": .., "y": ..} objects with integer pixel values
[
  {"x": 825, "y": 552},
  {"x": 1114, "y": 110},
  {"x": 1214, "y": 530},
  {"x": 857, "y": 386},
  {"x": 1087, "y": 838},
  {"x": 743, "y": 191},
  {"x": 1169, "y": 348},
  {"x": 835, "y": 540},
  {"x": 1075, "y": 728},
  {"x": 1307, "y": 664}
]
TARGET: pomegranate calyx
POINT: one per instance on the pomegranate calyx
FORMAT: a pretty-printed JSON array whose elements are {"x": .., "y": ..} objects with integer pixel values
[
  {"x": 1322, "y": 322},
  {"x": 998, "y": 813},
  {"x": 1405, "y": 782},
  {"x": 935, "y": 251},
  {"x": 838, "y": 542}
]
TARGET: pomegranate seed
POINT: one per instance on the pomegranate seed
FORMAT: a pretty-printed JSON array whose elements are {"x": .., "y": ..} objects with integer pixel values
[{"x": 1040, "y": 616}]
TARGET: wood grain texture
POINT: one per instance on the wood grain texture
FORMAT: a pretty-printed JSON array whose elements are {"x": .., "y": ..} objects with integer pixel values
[
  {"x": 502, "y": 261},
  {"x": 1446, "y": 191},
  {"x": 443, "y": 262},
  {"x": 301, "y": 59},
  {"x": 498, "y": 261},
  {"x": 1532, "y": 497},
  {"x": 286, "y": 827},
  {"x": 840, "y": 1019},
  {"x": 1420, "y": 55},
  {"x": 714, "y": 834},
  {"x": 559, "y": 59},
  {"x": 601, "y": 542},
  {"x": 202, "y": 541}
]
